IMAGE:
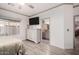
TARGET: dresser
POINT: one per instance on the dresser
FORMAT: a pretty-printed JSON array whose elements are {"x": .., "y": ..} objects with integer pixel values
[{"x": 34, "y": 35}]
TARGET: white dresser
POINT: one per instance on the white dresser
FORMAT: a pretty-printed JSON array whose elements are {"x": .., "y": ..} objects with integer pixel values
[{"x": 34, "y": 35}]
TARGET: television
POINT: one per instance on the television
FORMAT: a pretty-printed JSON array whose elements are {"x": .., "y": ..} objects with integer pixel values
[{"x": 34, "y": 21}]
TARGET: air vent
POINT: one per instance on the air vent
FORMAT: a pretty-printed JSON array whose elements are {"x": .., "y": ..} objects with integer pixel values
[
  {"x": 31, "y": 6},
  {"x": 12, "y": 4}
]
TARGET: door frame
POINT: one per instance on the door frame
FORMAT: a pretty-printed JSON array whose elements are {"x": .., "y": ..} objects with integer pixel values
[
  {"x": 49, "y": 28},
  {"x": 74, "y": 41}
]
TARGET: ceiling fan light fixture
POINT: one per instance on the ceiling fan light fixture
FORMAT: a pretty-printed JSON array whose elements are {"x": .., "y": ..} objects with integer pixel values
[{"x": 21, "y": 3}]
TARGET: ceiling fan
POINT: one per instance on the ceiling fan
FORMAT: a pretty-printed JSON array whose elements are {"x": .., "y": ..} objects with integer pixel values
[{"x": 21, "y": 4}]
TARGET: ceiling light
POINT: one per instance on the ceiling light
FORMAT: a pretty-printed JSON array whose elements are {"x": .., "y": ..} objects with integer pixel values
[{"x": 21, "y": 3}]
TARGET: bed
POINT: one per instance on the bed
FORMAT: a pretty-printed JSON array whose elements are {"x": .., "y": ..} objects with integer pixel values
[{"x": 11, "y": 47}]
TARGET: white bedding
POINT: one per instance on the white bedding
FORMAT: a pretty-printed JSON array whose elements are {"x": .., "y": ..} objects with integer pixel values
[
  {"x": 11, "y": 45},
  {"x": 9, "y": 41}
]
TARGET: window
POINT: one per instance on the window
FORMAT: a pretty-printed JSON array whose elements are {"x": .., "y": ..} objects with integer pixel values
[{"x": 9, "y": 27}]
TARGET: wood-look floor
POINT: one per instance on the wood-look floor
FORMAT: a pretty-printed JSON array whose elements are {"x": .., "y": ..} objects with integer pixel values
[
  {"x": 77, "y": 43},
  {"x": 43, "y": 48}
]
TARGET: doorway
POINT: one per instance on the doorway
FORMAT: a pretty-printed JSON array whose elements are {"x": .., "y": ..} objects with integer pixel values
[
  {"x": 76, "y": 31},
  {"x": 45, "y": 30}
]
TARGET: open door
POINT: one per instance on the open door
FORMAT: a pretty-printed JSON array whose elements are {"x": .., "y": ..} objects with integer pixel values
[
  {"x": 76, "y": 30},
  {"x": 45, "y": 30}
]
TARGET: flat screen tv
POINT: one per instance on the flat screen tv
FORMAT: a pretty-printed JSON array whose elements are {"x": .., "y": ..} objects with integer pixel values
[{"x": 34, "y": 21}]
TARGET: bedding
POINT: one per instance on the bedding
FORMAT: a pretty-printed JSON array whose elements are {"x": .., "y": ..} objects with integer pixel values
[{"x": 11, "y": 47}]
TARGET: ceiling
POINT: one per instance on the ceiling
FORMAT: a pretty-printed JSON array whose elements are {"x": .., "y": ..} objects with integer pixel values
[{"x": 27, "y": 9}]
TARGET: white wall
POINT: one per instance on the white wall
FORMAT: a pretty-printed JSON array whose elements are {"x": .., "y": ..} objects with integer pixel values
[
  {"x": 68, "y": 24},
  {"x": 57, "y": 30},
  {"x": 23, "y": 23},
  {"x": 76, "y": 11},
  {"x": 59, "y": 22}
]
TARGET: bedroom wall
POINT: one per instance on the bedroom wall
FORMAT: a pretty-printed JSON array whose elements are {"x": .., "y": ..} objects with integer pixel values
[
  {"x": 59, "y": 22},
  {"x": 68, "y": 27},
  {"x": 76, "y": 11},
  {"x": 23, "y": 23}
]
